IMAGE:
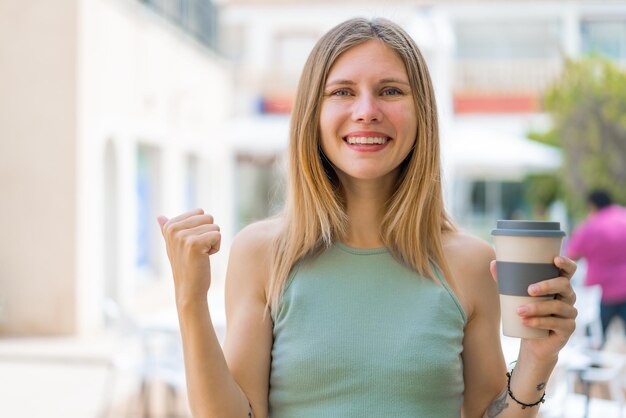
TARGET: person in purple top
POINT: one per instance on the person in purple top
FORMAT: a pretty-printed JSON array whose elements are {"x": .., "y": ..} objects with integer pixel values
[{"x": 601, "y": 241}]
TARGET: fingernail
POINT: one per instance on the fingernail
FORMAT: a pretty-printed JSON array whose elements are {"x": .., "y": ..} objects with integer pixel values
[
  {"x": 522, "y": 310},
  {"x": 533, "y": 288}
]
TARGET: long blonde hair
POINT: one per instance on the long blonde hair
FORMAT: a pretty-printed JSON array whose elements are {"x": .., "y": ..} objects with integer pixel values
[{"x": 314, "y": 215}]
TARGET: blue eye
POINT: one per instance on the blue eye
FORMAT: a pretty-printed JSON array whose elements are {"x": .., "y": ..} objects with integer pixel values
[
  {"x": 392, "y": 91},
  {"x": 340, "y": 92}
]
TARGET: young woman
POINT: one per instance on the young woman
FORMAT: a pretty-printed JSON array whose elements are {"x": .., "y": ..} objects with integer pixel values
[{"x": 361, "y": 299}]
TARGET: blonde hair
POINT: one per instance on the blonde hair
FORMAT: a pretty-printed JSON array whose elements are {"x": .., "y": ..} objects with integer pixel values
[{"x": 314, "y": 215}]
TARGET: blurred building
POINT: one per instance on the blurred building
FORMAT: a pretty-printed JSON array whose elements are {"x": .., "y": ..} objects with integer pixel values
[
  {"x": 490, "y": 62},
  {"x": 115, "y": 111},
  {"x": 506, "y": 55},
  {"x": 111, "y": 113}
]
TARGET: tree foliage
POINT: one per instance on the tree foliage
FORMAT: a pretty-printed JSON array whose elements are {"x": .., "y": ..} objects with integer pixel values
[{"x": 588, "y": 107}]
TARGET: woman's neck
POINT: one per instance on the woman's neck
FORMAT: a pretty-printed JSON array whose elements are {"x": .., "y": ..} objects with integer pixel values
[{"x": 365, "y": 207}]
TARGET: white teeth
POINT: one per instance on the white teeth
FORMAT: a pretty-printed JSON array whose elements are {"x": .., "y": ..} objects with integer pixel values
[{"x": 366, "y": 140}]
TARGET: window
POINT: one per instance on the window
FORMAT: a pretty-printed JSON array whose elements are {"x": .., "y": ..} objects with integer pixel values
[
  {"x": 191, "y": 182},
  {"x": 111, "y": 223},
  {"x": 495, "y": 199},
  {"x": 148, "y": 208},
  {"x": 515, "y": 39},
  {"x": 197, "y": 17},
  {"x": 604, "y": 37},
  {"x": 259, "y": 188}
]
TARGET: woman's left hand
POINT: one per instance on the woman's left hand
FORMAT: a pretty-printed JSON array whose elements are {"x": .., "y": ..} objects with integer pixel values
[{"x": 557, "y": 315}]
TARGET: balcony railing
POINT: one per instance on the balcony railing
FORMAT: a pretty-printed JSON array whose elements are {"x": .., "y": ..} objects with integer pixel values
[{"x": 525, "y": 76}]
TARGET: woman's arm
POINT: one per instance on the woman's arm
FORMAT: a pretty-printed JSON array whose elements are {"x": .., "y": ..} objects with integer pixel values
[
  {"x": 484, "y": 369},
  {"x": 486, "y": 392},
  {"x": 214, "y": 390},
  {"x": 538, "y": 357},
  {"x": 249, "y": 337}
]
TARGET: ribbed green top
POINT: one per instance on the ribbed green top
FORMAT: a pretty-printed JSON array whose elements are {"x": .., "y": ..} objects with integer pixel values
[{"x": 358, "y": 334}]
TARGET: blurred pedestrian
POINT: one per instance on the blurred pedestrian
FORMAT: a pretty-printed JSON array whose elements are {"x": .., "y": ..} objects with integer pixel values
[
  {"x": 601, "y": 241},
  {"x": 362, "y": 299}
]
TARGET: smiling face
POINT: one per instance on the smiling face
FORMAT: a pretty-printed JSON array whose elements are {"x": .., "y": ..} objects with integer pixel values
[{"x": 368, "y": 118}]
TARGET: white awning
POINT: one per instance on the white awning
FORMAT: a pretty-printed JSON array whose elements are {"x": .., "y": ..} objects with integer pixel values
[
  {"x": 472, "y": 151},
  {"x": 468, "y": 149},
  {"x": 266, "y": 134}
]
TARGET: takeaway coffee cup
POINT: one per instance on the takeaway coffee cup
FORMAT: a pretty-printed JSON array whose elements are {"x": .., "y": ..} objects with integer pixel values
[{"x": 525, "y": 252}]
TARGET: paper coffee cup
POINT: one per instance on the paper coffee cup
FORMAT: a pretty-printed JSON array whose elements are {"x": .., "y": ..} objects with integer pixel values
[{"x": 525, "y": 252}]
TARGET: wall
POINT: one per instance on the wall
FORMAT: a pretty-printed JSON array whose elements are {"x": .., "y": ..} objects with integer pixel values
[{"x": 37, "y": 166}]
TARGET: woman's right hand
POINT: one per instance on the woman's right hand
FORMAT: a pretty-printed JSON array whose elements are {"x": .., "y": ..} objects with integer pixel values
[{"x": 190, "y": 239}]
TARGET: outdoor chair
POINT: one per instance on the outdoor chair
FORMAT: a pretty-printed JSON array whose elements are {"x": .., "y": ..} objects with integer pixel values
[{"x": 148, "y": 354}]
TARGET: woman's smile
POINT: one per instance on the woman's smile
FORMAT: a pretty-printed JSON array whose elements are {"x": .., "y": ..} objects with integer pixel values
[{"x": 367, "y": 141}]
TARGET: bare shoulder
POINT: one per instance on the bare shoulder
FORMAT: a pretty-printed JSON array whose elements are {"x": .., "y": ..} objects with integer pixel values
[
  {"x": 251, "y": 255},
  {"x": 258, "y": 236},
  {"x": 466, "y": 250},
  {"x": 468, "y": 258}
]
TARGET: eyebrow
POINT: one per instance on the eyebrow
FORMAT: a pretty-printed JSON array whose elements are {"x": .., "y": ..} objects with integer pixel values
[{"x": 344, "y": 82}]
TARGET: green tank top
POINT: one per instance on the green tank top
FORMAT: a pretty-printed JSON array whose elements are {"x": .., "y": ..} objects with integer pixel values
[{"x": 358, "y": 334}]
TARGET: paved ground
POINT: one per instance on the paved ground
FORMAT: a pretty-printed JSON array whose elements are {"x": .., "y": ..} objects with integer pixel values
[
  {"x": 89, "y": 377},
  {"x": 52, "y": 377},
  {"x": 100, "y": 375}
]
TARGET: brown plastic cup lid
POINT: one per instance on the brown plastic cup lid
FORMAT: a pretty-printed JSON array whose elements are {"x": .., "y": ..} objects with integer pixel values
[{"x": 528, "y": 229}]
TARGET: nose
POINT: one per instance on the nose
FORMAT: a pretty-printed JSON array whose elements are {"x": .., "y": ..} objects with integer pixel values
[{"x": 366, "y": 109}]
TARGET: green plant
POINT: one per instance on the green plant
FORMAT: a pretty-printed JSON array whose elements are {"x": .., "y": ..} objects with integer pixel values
[{"x": 588, "y": 108}]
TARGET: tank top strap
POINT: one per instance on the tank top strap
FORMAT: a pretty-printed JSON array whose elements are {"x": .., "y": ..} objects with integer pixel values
[{"x": 453, "y": 296}]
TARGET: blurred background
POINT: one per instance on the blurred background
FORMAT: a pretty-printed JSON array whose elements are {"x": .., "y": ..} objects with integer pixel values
[{"x": 113, "y": 112}]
